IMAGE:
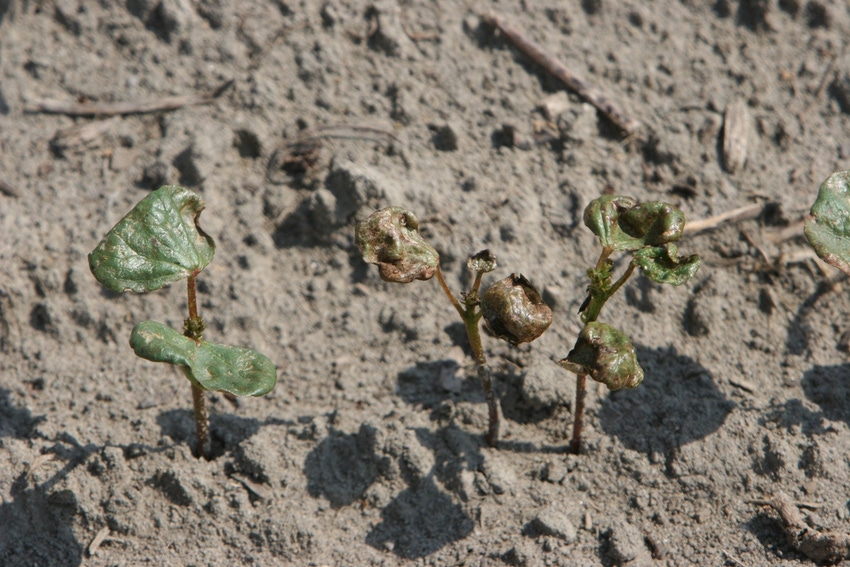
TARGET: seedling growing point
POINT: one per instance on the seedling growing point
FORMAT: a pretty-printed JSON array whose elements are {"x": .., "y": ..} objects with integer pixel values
[
  {"x": 157, "y": 243},
  {"x": 647, "y": 231},
  {"x": 512, "y": 308}
]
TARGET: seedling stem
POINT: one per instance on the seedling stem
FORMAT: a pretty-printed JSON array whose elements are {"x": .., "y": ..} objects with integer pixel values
[
  {"x": 471, "y": 315},
  {"x": 194, "y": 329}
]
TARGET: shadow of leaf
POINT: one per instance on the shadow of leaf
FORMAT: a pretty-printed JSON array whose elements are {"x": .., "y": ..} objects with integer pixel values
[
  {"x": 420, "y": 521},
  {"x": 421, "y": 384},
  {"x": 829, "y": 388},
  {"x": 226, "y": 431},
  {"x": 677, "y": 403},
  {"x": 342, "y": 466},
  {"x": 36, "y": 526},
  {"x": 15, "y": 422}
]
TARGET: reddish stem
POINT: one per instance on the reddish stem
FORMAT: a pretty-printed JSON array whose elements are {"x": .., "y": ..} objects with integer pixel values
[
  {"x": 581, "y": 393},
  {"x": 194, "y": 329}
]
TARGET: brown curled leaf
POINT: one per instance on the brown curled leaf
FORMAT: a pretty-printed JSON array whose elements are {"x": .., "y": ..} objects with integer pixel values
[
  {"x": 514, "y": 310},
  {"x": 390, "y": 239}
]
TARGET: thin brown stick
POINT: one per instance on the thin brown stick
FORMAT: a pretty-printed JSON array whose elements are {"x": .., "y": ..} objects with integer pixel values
[
  {"x": 83, "y": 134},
  {"x": 741, "y": 213},
  {"x": 51, "y": 106},
  {"x": 417, "y": 36},
  {"x": 575, "y": 82},
  {"x": 98, "y": 539}
]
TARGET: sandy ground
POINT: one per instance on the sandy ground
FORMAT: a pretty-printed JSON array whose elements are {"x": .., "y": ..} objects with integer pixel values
[{"x": 370, "y": 451}]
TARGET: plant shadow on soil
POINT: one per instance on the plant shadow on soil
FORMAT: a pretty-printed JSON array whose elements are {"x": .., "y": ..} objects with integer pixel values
[
  {"x": 677, "y": 403},
  {"x": 828, "y": 387},
  {"x": 420, "y": 519},
  {"x": 36, "y": 523},
  {"x": 226, "y": 431}
]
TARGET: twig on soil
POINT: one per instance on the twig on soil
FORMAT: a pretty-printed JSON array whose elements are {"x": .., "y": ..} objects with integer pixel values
[
  {"x": 98, "y": 539},
  {"x": 254, "y": 488},
  {"x": 575, "y": 82},
  {"x": 819, "y": 546},
  {"x": 732, "y": 558},
  {"x": 741, "y": 213},
  {"x": 9, "y": 190},
  {"x": 37, "y": 462},
  {"x": 418, "y": 36},
  {"x": 81, "y": 135},
  {"x": 302, "y": 153},
  {"x": 51, "y": 106}
]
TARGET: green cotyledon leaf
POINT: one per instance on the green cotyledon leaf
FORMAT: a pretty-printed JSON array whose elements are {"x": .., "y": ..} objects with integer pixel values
[
  {"x": 662, "y": 264},
  {"x": 621, "y": 223},
  {"x": 828, "y": 226},
  {"x": 157, "y": 243},
  {"x": 240, "y": 371}
]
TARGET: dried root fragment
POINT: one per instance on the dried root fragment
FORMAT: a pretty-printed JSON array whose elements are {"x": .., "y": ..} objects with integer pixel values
[{"x": 818, "y": 546}]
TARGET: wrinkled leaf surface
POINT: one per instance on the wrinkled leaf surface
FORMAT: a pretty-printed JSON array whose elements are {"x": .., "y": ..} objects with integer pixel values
[
  {"x": 607, "y": 355},
  {"x": 157, "y": 243},
  {"x": 662, "y": 265},
  {"x": 621, "y": 223},
  {"x": 240, "y": 371},
  {"x": 390, "y": 239}
]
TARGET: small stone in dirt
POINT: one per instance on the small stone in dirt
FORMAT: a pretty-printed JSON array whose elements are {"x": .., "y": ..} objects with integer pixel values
[
  {"x": 322, "y": 207},
  {"x": 259, "y": 457},
  {"x": 553, "y": 521},
  {"x": 417, "y": 461},
  {"x": 355, "y": 186},
  {"x": 524, "y": 554},
  {"x": 199, "y": 160},
  {"x": 625, "y": 542},
  {"x": 582, "y": 126},
  {"x": 543, "y": 386},
  {"x": 555, "y": 105},
  {"x": 554, "y": 472},
  {"x": 501, "y": 475}
]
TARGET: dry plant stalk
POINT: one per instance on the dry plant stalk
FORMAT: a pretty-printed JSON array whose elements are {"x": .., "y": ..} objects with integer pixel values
[
  {"x": 573, "y": 81},
  {"x": 818, "y": 546}
]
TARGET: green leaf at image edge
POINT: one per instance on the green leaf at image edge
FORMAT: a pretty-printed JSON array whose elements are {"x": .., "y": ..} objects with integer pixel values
[
  {"x": 157, "y": 243},
  {"x": 662, "y": 265},
  {"x": 240, "y": 371},
  {"x": 828, "y": 228}
]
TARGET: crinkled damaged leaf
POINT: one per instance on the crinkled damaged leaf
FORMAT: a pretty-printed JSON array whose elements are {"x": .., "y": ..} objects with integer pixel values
[
  {"x": 654, "y": 223},
  {"x": 157, "y": 243},
  {"x": 607, "y": 355},
  {"x": 828, "y": 226},
  {"x": 482, "y": 262},
  {"x": 601, "y": 217},
  {"x": 390, "y": 239},
  {"x": 239, "y": 371},
  {"x": 514, "y": 310},
  {"x": 662, "y": 265},
  {"x": 622, "y": 223}
]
